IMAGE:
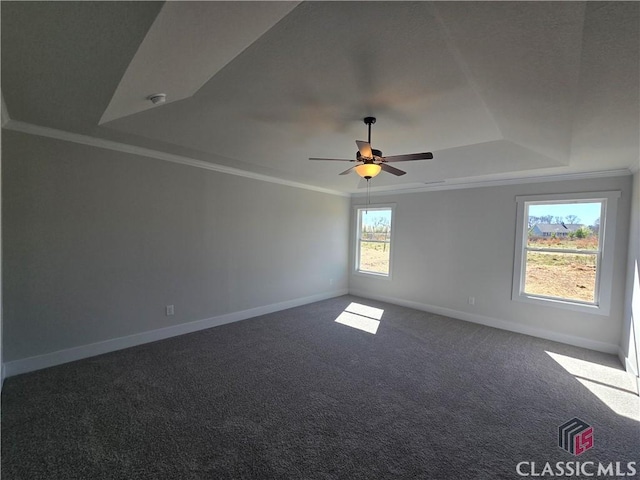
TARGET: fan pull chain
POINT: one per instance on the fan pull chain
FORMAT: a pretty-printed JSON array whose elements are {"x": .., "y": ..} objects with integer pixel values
[{"x": 368, "y": 193}]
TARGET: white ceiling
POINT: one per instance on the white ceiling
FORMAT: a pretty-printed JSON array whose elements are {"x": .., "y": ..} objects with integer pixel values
[{"x": 494, "y": 89}]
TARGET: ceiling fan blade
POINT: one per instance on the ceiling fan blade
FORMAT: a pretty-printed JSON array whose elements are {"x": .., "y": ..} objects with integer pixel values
[
  {"x": 393, "y": 170},
  {"x": 409, "y": 157},
  {"x": 333, "y": 159},
  {"x": 364, "y": 148},
  {"x": 348, "y": 170}
]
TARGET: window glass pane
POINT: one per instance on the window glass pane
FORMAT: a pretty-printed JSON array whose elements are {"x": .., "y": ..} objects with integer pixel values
[
  {"x": 374, "y": 241},
  {"x": 574, "y": 226},
  {"x": 374, "y": 257},
  {"x": 564, "y": 250},
  {"x": 563, "y": 275}
]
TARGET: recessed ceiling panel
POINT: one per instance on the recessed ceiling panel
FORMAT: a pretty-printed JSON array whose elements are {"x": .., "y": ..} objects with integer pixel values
[
  {"x": 303, "y": 88},
  {"x": 488, "y": 158},
  {"x": 493, "y": 89},
  {"x": 61, "y": 61},
  {"x": 524, "y": 58},
  {"x": 606, "y": 123},
  {"x": 188, "y": 44}
]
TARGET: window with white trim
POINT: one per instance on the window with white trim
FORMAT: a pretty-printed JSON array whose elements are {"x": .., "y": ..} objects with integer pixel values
[
  {"x": 564, "y": 250},
  {"x": 373, "y": 240}
]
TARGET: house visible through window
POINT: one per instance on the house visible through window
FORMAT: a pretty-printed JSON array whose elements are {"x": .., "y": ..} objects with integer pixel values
[
  {"x": 373, "y": 243},
  {"x": 564, "y": 249}
]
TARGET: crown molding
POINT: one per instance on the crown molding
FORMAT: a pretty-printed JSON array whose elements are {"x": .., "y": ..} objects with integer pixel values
[
  {"x": 454, "y": 184},
  {"x": 500, "y": 182},
  {"x": 38, "y": 130}
]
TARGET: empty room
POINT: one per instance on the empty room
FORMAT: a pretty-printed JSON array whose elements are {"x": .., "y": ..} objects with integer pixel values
[{"x": 320, "y": 240}]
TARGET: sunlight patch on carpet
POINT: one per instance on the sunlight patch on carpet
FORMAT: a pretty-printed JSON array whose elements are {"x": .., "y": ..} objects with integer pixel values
[
  {"x": 614, "y": 387},
  {"x": 362, "y": 317}
]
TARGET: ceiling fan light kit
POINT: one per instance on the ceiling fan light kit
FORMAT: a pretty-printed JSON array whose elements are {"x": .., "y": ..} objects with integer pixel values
[
  {"x": 368, "y": 170},
  {"x": 371, "y": 161}
]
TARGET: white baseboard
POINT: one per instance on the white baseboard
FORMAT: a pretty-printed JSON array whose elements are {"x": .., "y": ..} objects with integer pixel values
[
  {"x": 30, "y": 364},
  {"x": 496, "y": 323},
  {"x": 628, "y": 364}
]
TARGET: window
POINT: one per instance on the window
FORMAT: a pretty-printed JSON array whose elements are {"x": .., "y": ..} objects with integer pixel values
[
  {"x": 564, "y": 250},
  {"x": 373, "y": 240}
]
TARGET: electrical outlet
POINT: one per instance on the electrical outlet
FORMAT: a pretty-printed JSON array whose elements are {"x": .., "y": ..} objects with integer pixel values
[
  {"x": 169, "y": 310},
  {"x": 331, "y": 281},
  {"x": 472, "y": 300}
]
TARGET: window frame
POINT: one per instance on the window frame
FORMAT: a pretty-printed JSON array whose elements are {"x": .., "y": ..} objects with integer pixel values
[
  {"x": 605, "y": 257},
  {"x": 356, "y": 247}
]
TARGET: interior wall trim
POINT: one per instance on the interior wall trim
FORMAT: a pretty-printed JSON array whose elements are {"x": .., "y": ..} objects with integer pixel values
[
  {"x": 495, "y": 323},
  {"x": 627, "y": 362},
  {"x": 623, "y": 172},
  {"x": 38, "y": 130},
  {"x": 4, "y": 112},
  {"x": 24, "y": 365}
]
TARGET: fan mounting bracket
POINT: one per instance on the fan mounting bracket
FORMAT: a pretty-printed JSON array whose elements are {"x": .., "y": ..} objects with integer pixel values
[{"x": 369, "y": 120}]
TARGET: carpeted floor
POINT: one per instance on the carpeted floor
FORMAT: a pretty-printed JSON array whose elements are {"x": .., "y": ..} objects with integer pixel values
[{"x": 296, "y": 394}]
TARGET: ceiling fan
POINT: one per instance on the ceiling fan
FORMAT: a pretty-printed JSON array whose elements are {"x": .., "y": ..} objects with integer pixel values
[{"x": 371, "y": 161}]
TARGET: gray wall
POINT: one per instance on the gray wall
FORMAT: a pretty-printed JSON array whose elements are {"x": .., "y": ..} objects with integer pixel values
[
  {"x": 630, "y": 343},
  {"x": 96, "y": 243},
  {"x": 455, "y": 244}
]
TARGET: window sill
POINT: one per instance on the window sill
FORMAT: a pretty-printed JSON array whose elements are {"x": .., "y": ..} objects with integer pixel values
[
  {"x": 361, "y": 273},
  {"x": 563, "y": 304}
]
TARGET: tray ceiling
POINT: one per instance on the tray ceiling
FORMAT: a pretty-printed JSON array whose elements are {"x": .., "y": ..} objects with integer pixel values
[{"x": 493, "y": 89}]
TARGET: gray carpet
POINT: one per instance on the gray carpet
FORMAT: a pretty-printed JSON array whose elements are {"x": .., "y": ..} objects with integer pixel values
[{"x": 296, "y": 395}]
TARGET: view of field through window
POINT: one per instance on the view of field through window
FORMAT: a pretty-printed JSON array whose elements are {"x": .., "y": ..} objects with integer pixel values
[
  {"x": 374, "y": 242},
  {"x": 563, "y": 250}
]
